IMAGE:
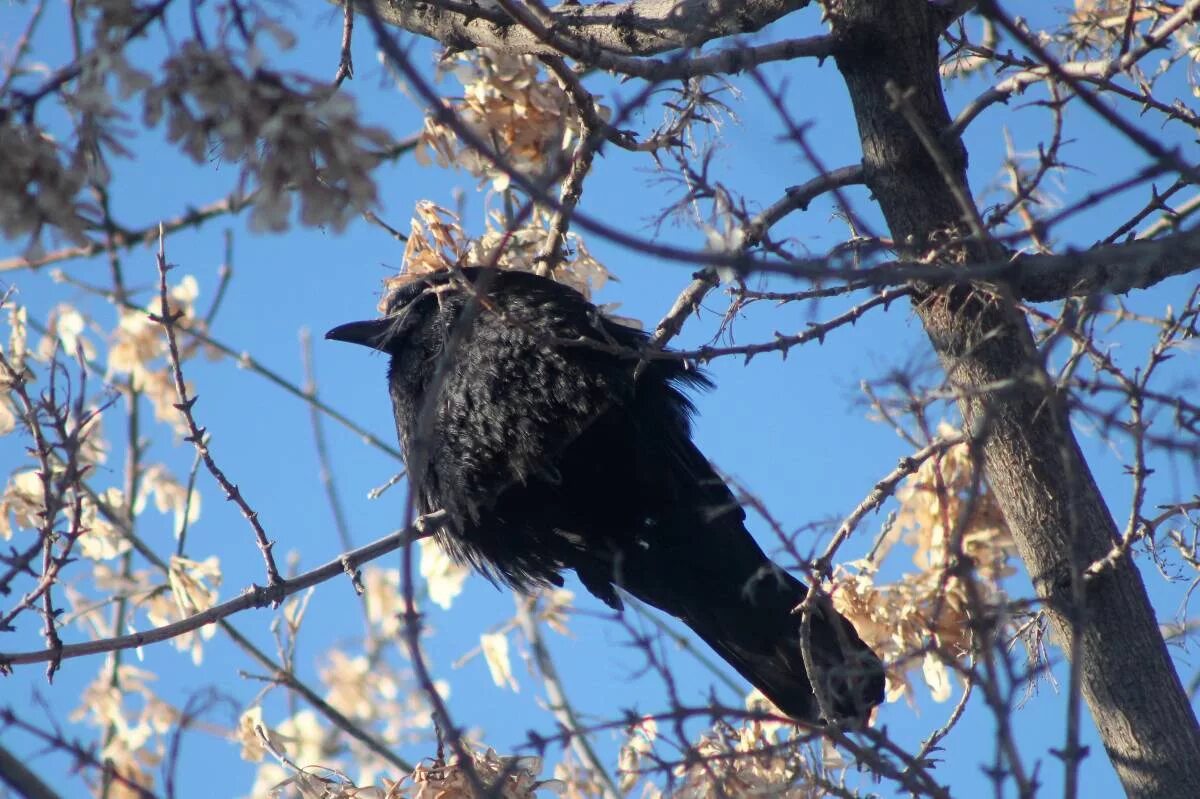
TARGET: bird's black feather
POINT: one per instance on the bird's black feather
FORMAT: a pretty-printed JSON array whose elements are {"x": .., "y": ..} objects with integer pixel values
[{"x": 523, "y": 415}]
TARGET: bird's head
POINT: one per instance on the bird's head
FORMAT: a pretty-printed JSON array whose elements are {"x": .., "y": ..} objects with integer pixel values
[{"x": 402, "y": 313}]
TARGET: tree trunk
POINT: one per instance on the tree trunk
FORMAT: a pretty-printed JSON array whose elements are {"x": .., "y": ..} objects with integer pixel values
[{"x": 1045, "y": 489}]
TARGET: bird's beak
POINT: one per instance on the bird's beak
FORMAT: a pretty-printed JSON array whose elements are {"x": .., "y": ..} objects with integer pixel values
[{"x": 373, "y": 333}]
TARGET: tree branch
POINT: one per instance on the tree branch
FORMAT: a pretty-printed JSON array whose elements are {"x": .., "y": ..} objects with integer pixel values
[
  {"x": 1111, "y": 269},
  {"x": 22, "y": 779},
  {"x": 252, "y": 597},
  {"x": 633, "y": 28},
  {"x": 1103, "y": 269}
]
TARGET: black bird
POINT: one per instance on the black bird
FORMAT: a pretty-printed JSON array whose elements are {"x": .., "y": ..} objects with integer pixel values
[{"x": 522, "y": 413}]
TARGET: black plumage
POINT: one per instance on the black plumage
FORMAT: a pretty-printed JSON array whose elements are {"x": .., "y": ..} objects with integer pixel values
[{"x": 522, "y": 414}]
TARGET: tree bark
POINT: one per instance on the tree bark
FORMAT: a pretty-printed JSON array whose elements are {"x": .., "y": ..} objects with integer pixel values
[{"x": 1033, "y": 462}]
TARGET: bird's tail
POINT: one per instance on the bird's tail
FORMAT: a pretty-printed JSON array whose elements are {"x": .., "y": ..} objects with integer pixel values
[
  {"x": 751, "y": 624},
  {"x": 759, "y": 635}
]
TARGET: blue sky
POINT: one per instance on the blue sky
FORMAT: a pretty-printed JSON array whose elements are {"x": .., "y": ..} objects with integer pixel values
[{"x": 793, "y": 432}]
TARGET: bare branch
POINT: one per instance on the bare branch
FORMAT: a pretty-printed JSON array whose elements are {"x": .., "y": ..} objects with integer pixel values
[
  {"x": 882, "y": 490},
  {"x": 198, "y": 435},
  {"x": 816, "y": 331},
  {"x": 252, "y": 597},
  {"x": 633, "y": 28},
  {"x": 246, "y": 361},
  {"x": 1144, "y": 141},
  {"x": 797, "y": 198},
  {"x": 127, "y": 239},
  {"x": 550, "y": 254},
  {"x": 1098, "y": 72},
  {"x": 556, "y": 696},
  {"x": 22, "y": 779},
  {"x": 1112, "y": 269},
  {"x": 345, "y": 60}
]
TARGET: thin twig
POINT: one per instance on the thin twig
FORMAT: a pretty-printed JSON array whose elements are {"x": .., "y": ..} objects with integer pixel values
[
  {"x": 324, "y": 465},
  {"x": 125, "y": 239},
  {"x": 550, "y": 253},
  {"x": 560, "y": 706},
  {"x": 345, "y": 68},
  {"x": 881, "y": 491},
  {"x": 246, "y": 361},
  {"x": 198, "y": 436}
]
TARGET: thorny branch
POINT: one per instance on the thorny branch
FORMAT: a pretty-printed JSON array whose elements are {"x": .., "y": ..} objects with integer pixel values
[
  {"x": 252, "y": 597},
  {"x": 197, "y": 435}
]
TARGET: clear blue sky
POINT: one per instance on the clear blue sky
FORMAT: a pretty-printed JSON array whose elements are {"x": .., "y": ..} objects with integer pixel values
[{"x": 794, "y": 432}]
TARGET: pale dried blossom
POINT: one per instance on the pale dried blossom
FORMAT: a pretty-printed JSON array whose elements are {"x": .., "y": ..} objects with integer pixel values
[
  {"x": 138, "y": 348},
  {"x": 289, "y": 133},
  {"x": 22, "y": 503},
  {"x": 65, "y": 328},
  {"x": 413, "y": 715},
  {"x": 86, "y": 613},
  {"x": 18, "y": 342},
  {"x": 91, "y": 447},
  {"x": 376, "y": 696},
  {"x": 639, "y": 742},
  {"x": 929, "y": 609},
  {"x": 358, "y": 689},
  {"x": 725, "y": 232},
  {"x": 8, "y": 417},
  {"x": 294, "y": 610},
  {"x": 756, "y": 701},
  {"x": 517, "y": 248},
  {"x": 385, "y": 603},
  {"x": 318, "y": 782},
  {"x": 748, "y": 761},
  {"x": 1114, "y": 13},
  {"x": 170, "y": 496},
  {"x": 1103, "y": 30},
  {"x": 306, "y": 741},
  {"x": 509, "y": 102},
  {"x": 135, "y": 769},
  {"x": 111, "y": 17},
  {"x": 120, "y": 702},
  {"x": 437, "y": 242},
  {"x": 555, "y": 608},
  {"x": 248, "y": 734},
  {"x": 443, "y": 577},
  {"x": 495, "y": 653},
  {"x": 102, "y": 540},
  {"x": 502, "y": 778},
  {"x": 196, "y": 583},
  {"x": 573, "y": 780},
  {"x": 113, "y": 581},
  {"x": 300, "y": 739},
  {"x": 292, "y": 775},
  {"x": 40, "y": 184}
]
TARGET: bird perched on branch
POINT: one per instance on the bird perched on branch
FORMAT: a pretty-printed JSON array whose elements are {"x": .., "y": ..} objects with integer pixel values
[{"x": 524, "y": 414}]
